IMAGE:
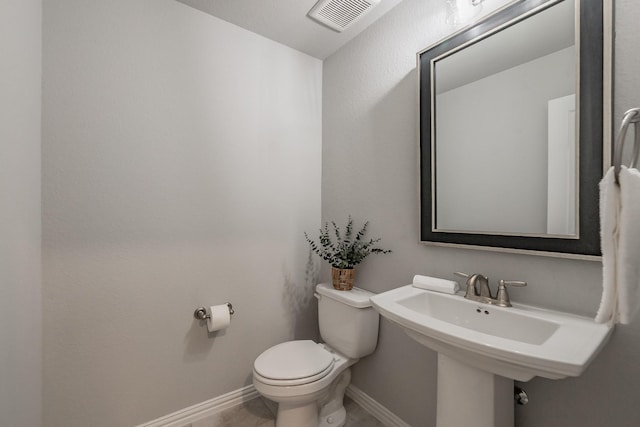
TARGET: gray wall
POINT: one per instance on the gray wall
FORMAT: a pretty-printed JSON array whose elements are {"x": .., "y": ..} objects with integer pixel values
[
  {"x": 181, "y": 165},
  {"x": 20, "y": 261},
  {"x": 370, "y": 170}
]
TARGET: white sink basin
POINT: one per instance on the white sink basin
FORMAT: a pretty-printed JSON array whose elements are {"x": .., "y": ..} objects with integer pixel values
[{"x": 518, "y": 342}]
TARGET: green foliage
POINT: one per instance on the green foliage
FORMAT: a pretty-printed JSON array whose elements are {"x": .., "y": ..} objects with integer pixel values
[{"x": 343, "y": 249}]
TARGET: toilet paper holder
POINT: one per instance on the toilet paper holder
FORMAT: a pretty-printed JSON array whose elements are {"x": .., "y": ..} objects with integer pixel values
[{"x": 201, "y": 313}]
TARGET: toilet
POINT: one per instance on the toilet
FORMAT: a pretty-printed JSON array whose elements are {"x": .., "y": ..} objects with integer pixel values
[{"x": 308, "y": 379}]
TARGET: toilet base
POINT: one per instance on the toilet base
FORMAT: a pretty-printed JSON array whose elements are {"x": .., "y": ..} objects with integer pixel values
[
  {"x": 332, "y": 412},
  {"x": 326, "y": 410},
  {"x": 335, "y": 419},
  {"x": 290, "y": 415}
]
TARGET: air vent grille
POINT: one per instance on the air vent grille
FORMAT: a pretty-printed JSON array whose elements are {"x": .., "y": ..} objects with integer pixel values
[{"x": 339, "y": 14}]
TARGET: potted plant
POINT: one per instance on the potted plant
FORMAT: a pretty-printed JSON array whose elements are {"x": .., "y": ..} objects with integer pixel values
[{"x": 344, "y": 250}]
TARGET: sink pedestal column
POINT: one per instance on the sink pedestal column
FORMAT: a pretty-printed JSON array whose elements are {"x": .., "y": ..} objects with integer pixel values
[{"x": 471, "y": 397}]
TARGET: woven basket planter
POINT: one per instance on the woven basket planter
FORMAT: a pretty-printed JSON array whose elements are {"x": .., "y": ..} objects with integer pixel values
[{"x": 342, "y": 278}]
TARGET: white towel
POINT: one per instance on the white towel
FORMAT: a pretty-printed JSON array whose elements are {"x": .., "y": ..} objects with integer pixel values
[
  {"x": 609, "y": 218},
  {"x": 620, "y": 233},
  {"x": 435, "y": 284}
]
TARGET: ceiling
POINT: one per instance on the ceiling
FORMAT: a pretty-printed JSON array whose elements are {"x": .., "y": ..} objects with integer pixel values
[{"x": 286, "y": 22}]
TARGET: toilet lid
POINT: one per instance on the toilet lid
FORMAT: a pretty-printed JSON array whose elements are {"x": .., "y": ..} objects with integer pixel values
[{"x": 293, "y": 360}]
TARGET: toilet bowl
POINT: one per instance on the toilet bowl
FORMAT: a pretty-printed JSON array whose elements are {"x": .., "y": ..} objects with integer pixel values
[{"x": 308, "y": 379}]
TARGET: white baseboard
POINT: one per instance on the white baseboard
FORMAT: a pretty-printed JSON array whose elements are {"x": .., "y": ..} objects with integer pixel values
[
  {"x": 237, "y": 397},
  {"x": 205, "y": 409},
  {"x": 370, "y": 405}
]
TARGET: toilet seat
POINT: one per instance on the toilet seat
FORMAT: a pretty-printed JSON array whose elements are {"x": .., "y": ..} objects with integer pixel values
[{"x": 293, "y": 363}]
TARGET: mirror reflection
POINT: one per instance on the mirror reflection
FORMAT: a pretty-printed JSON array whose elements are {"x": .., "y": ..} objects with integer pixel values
[{"x": 504, "y": 134}]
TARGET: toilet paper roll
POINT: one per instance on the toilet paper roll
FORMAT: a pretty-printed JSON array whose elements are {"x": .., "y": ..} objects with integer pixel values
[{"x": 220, "y": 317}]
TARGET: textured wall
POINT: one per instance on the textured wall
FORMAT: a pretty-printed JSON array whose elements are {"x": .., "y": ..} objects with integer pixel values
[
  {"x": 370, "y": 170},
  {"x": 181, "y": 166},
  {"x": 20, "y": 248}
]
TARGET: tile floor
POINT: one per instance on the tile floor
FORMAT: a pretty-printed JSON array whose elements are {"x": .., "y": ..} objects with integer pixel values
[{"x": 261, "y": 413}]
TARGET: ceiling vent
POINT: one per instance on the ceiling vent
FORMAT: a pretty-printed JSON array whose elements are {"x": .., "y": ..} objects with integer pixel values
[{"x": 340, "y": 14}]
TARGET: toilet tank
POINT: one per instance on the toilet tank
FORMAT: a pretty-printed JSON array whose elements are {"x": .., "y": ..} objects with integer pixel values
[{"x": 348, "y": 322}]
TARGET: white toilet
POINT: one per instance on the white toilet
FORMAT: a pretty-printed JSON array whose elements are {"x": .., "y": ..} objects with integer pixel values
[{"x": 307, "y": 379}]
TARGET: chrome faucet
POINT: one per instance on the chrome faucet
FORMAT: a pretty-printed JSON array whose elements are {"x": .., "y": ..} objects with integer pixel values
[{"x": 478, "y": 289}]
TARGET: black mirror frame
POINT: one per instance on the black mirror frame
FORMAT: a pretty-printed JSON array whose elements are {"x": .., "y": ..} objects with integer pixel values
[{"x": 594, "y": 144}]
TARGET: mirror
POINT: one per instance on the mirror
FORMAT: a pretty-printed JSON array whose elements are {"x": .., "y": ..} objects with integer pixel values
[
  {"x": 512, "y": 130},
  {"x": 531, "y": 87}
]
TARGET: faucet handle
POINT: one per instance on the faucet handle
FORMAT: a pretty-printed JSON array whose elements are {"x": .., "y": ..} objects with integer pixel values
[
  {"x": 465, "y": 275},
  {"x": 502, "y": 297},
  {"x": 516, "y": 283}
]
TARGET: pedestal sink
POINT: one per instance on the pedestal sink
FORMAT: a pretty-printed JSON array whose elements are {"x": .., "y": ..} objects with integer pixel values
[{"x": 482, "y": 348}]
